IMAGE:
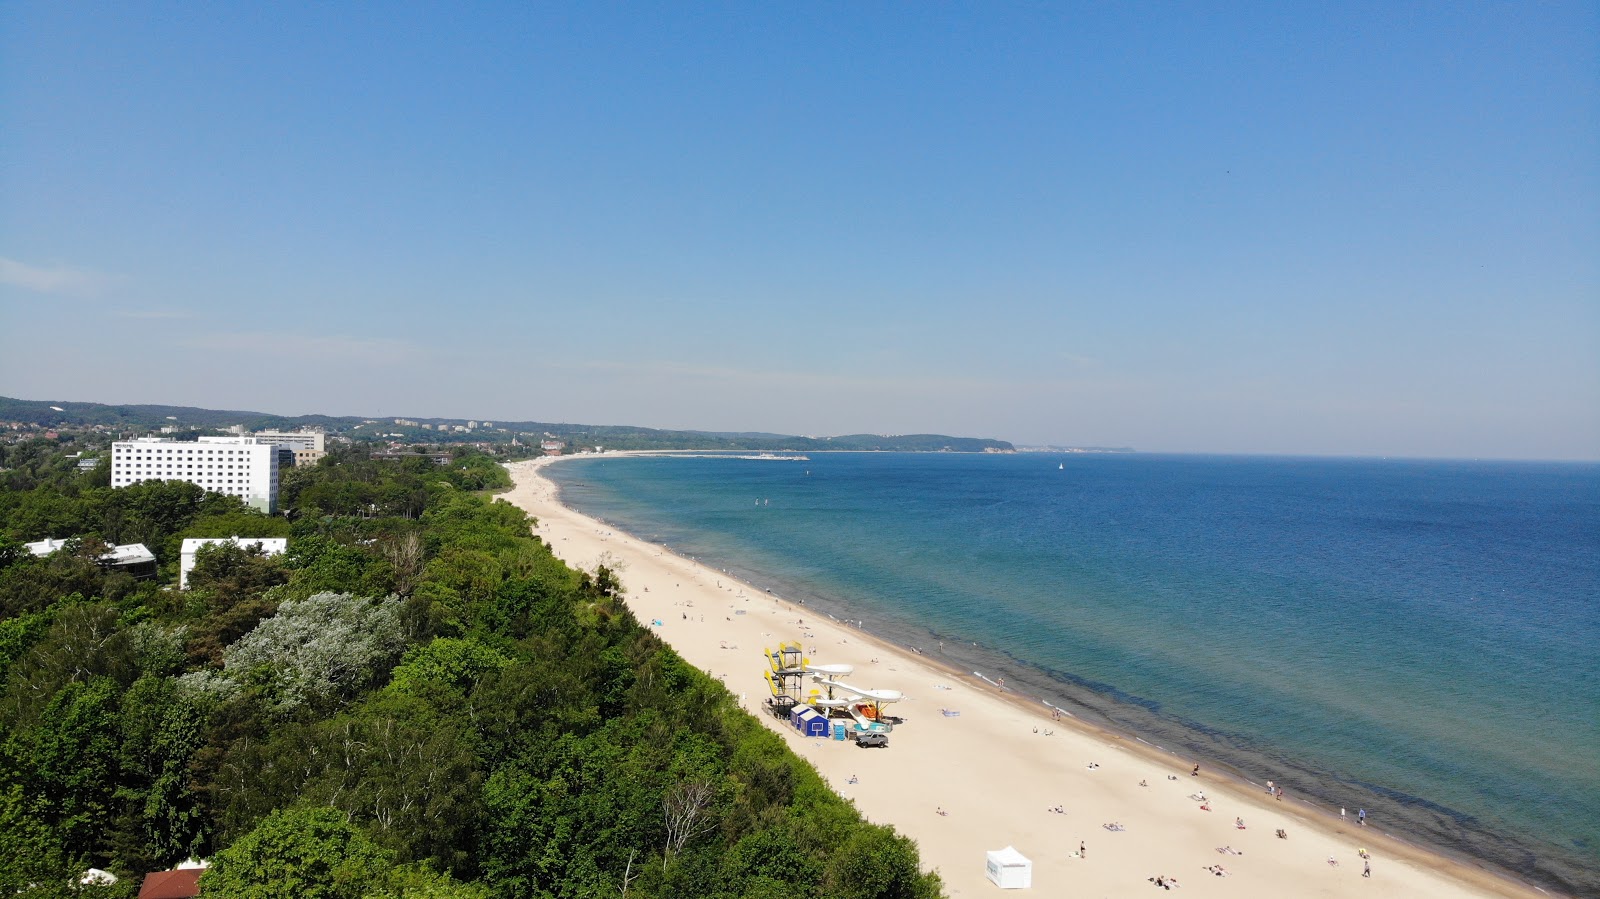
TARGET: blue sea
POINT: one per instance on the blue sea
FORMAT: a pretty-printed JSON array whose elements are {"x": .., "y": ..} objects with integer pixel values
[{"x": 1417, "y": 638}]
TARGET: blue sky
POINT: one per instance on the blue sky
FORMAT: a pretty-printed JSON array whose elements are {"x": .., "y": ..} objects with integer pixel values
[{"x": 1281, "y": 228}]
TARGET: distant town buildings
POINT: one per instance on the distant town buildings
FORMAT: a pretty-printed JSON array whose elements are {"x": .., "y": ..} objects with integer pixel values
[
  {"x": 269, "y": 546},
  {"x": 246, "y": 467},
  {"x": 300, "y": 440},
  {"x": 308, "y": 446}
]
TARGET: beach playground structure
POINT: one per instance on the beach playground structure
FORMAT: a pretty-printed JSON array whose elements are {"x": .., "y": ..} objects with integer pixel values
[{"x": 829, "y": 695}]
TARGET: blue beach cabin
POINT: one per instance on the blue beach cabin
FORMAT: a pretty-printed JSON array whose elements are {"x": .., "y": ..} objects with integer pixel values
[{"x": 809, "y": 722}]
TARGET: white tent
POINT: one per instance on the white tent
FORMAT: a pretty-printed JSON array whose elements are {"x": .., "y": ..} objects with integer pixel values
[{"x": 1010, "y": 869}]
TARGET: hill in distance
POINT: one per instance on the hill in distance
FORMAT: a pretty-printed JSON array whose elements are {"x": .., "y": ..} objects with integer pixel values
[{"x": 73, "y": 414}]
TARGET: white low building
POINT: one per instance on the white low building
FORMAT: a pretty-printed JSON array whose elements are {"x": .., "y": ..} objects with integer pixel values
[
  {"x": 246, "y": 467},
  {"x": 134, "y": 558},
  {"x": 1008, "y": 869},
  {"x": 269, "y": 546}
]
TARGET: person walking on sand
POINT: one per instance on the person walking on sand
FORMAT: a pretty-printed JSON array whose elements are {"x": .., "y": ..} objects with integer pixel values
[
  {"x": 1366, "y": 869},
  {"x": 1083, "y": 851},
  {"x": 1361, "y": 816},
  {"x": 1196, "y": 771}
]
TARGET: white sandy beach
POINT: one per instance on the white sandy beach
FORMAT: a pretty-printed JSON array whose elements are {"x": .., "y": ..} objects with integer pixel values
[{"x": 1001, "y": 766}]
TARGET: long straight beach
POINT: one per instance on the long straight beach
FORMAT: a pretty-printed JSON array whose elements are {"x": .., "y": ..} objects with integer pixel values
[{"x": 995, "y": 774}]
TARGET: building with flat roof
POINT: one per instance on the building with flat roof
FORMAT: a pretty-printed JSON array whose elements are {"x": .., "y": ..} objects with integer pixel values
[
  {"x": 134, "y": 558},
  {"x": 246, "y": 467},
  {"x": 269, "y": 546},
  {"x": 298, "y": 440},
  {"x": 307, "y": 446}
]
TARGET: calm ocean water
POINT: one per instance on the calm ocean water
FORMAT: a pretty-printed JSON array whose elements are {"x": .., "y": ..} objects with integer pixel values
[{"x": 1421, "y": 639}]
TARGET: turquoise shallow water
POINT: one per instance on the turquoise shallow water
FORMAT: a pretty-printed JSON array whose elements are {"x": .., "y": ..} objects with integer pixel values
[{"x": 1421, "y": 639}]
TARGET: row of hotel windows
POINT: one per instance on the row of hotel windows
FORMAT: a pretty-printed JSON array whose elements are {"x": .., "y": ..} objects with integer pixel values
[
  {"x": 179, "y": 469},
  {"x": 194, "y": 452},
  {"x": 216, "y": 481},
  {"x": 179, "y": 464},
  {"x": 134, "y": 477}
]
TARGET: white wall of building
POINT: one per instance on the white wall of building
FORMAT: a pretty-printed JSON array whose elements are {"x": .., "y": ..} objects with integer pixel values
[
  {"x": 269, "y": 546},
  {"x": 246, "y": 467}
]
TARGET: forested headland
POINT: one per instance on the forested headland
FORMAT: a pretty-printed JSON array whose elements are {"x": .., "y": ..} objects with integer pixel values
[
  {"x": 188, "y": 419},
  {"x": 417, "y": 699}
]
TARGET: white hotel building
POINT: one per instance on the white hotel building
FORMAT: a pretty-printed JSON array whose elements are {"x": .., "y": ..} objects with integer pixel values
[{"x": 246, "y": 467}]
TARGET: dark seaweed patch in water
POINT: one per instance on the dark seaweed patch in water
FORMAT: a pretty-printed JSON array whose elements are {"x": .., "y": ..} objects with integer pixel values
[
  {"x": 1410, "y": 801},
  {"x": 1458, "y": 835}
]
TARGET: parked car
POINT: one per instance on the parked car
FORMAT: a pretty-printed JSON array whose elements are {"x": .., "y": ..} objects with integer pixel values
[{"x": 868, "y": 740}]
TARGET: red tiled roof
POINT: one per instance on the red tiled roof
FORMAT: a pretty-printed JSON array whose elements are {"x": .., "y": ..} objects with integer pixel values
[{"x": 184, "y": 884}]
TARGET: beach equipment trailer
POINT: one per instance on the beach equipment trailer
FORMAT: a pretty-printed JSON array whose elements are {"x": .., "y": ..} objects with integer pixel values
[
  {"x": 1009, "y": 869},
  {"x": 809, "y": 722}
]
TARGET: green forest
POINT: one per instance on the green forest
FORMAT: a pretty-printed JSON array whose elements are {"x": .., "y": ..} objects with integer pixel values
[{"x": 416, "y": 699}]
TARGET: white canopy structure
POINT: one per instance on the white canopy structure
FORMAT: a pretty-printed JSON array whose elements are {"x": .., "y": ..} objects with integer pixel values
[{"x": 1010, "y": 869}]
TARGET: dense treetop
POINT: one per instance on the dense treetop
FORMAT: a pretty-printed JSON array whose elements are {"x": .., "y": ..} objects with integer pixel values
[{"x": 417, "y": 699}]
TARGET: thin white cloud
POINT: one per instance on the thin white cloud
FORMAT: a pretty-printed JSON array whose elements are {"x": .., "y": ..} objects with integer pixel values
[
  {"x": 801, "y": 380},
  {"x": 164, "y": 314},
  {"x": 57, "y": 280},
  {"x": 308, "y": 347}
]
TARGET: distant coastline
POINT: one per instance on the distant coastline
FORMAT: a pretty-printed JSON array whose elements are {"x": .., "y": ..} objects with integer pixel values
[
  {"x": 1075, "y": 449},
  {"x": 46, "y": 415}
]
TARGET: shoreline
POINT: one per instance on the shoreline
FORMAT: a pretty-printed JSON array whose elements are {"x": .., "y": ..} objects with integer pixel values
[{"x": 998, "y": 734}]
